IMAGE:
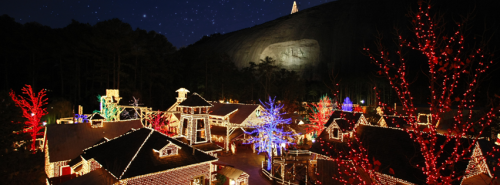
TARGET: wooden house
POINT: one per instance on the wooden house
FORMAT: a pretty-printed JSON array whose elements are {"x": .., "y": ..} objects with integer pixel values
[
  {"x": 223, "y": 123},
  {"x": 392, "y": 148},
  {"x": 144, "y": 156},
  {"x": 64, "y": 142}
]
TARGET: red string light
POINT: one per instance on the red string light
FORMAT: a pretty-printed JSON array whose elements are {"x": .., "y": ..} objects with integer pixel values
[{"x": 31, "y": 107}]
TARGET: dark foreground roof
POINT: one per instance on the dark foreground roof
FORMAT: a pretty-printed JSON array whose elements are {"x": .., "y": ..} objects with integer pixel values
[
  {"x": 67, "y": 141},
  {"x": 115, "y": 155},
  {"x": 96, "y": 177},
  {"x": 195, "y": 100},
  {"x": 394, "y": 149}
]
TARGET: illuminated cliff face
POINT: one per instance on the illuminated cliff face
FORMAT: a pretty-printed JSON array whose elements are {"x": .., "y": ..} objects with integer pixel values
[
  {"x": 293, "y": 55},
  {"x": 313, "y": 41}
]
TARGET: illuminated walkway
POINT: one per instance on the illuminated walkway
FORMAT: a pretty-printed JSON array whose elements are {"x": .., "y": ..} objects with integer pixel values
[{"x": 246, "y": 160}]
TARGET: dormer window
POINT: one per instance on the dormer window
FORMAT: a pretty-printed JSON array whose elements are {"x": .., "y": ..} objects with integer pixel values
[
  {"x": 168, "y": 150},
  {"x": 334, "y": 133}
]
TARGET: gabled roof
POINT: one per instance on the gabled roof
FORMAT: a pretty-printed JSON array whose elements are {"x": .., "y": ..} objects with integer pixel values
[
  {"x": 345, "y": 120},
  {"x": 132, "y": 154},
  {"x": 347, "y": 115},
  {"x": 491, "y": 161},
  {"x": 222, "y": 109},
  {"x": 240, "y": 112},
  {"x": 195, "y": 100},
  {"x": 96, "y": 116},
  {"x": 67, "y": 141}
]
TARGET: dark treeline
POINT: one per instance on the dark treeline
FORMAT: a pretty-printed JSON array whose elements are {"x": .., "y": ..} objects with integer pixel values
[{"x": 80, "y": 61}]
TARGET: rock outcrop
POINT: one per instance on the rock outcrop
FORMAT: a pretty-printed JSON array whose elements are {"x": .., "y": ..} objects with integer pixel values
[{"x": 316, "y": 40}]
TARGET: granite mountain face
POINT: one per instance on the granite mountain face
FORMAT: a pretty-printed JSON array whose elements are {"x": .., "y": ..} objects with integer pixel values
[{"x": 312, "y": 40}]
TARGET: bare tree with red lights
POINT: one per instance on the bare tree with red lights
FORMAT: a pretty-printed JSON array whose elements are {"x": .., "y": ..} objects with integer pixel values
[
  {"x": 161, "y": 123},
  {"x": 321, "y": 112},
  {"x": 454, "y": 71},
  {"x": 31, "y": 107}
]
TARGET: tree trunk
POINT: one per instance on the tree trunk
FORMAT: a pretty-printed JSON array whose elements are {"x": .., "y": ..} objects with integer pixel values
[
  {"x": 118, "y": 73},
  {"x": 114, "y": 72},
  {"x": 135, "y": 73},
  {"x": 62, "y": 76},
  {"x": 33, "y": 72}
]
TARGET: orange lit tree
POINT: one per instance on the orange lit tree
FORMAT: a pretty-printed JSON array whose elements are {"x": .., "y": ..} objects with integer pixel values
[
  {"x": 454, "y": 71},
  {"x": 31, "y": 107}
]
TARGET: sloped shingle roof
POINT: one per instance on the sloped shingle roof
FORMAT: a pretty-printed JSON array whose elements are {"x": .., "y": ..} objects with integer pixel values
[
  {"x": 195, "y": 100},
  {"x": 67, "y": 141},
  {"x": 243, "y": 111},
  {"x": 115, "y": 155}
]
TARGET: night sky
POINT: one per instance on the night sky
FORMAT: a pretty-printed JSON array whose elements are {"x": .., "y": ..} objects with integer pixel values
[{"x": 183, "y": 22}]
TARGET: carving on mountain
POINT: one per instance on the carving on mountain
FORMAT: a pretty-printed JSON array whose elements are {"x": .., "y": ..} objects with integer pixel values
[{"x": 293, "y": 55}]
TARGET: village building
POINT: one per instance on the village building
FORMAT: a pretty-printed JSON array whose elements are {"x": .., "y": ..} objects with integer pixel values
[
  {"x": 64, "y": 142},
  {"x": 234, "y": 176},
  {"x": 143, "y": 156},
  {"x": 341, "y": 124},
  {"x": 391, "y": 147},
  {"x": 220, "y": 123}
]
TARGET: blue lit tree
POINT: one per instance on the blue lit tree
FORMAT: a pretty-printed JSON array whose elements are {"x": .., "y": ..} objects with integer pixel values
[
  {"x": 270, "y": 134},
  {"x": 347, "y": 105}
]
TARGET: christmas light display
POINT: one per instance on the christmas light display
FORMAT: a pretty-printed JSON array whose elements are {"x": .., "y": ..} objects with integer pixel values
[
  {"x": 135, "y": 103},
  {"x": 321, "y": 112},
  {"x": 347, "y": 104},
  {"x": 269, "y": 136},
  {"x": 32, "y": 110},
  {"x": 161, "y": 123},
  {"x": 81, "y": 118},
  {"x": 448, "y": 63},
  {"x": 108, "y": 110}
]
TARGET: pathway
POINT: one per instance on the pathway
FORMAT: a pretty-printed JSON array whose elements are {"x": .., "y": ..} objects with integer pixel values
[{"x": 249, "y": 162}]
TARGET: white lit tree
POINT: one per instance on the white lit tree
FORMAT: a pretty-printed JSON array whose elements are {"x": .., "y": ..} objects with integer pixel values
[{"x": 270, "y": 135}]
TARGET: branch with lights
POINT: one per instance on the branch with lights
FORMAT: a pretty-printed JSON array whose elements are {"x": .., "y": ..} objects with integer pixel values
[
  {"x": 270, "y": 134},
  {"x": 321, "y": 112},
  {"x": 451, "y": 66},
  {"x": 31, "y": 107}
]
